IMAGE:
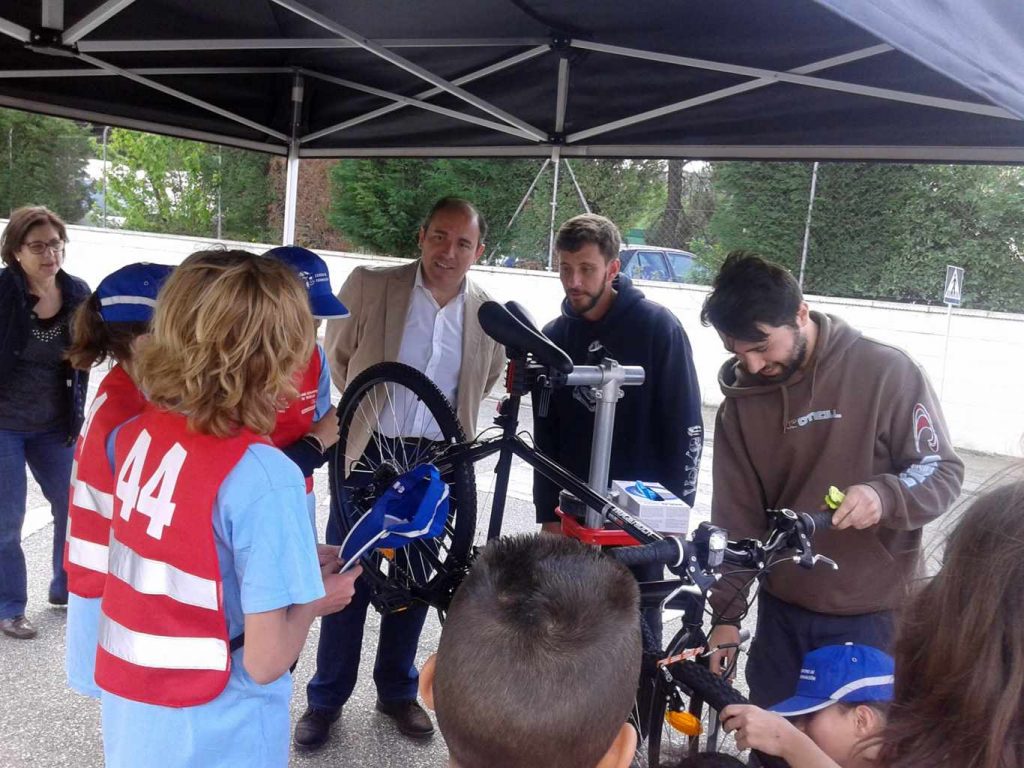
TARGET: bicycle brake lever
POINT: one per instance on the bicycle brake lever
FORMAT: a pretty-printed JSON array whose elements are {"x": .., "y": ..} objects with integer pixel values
[
  {"x": 827, "y": 560},
  {"x": 807, "y": 560}
]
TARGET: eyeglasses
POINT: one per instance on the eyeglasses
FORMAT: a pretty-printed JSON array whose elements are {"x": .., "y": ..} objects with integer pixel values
[{"x": 38, "y": 247}]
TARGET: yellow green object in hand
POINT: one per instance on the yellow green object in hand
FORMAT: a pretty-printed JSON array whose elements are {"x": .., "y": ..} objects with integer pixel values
[{"x": 834, "y": 498}]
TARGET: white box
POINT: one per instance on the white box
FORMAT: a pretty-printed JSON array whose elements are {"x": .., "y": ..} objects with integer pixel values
[{"x": 668, "y": 514}]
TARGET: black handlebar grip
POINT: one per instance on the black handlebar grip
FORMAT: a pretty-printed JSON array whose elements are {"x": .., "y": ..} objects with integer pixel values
[
  {"x": 669, "y": 551},
  {"x": 818, "y": 521}
]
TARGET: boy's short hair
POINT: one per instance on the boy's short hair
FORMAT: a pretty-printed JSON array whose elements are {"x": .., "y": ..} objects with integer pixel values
[
  {"x": 589, "y": 228},
  {"x": 539, "y": 657},
  {"x": 749, "y": 290}
]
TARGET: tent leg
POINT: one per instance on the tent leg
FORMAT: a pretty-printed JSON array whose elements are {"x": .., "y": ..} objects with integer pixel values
[
  {"x": 522, "y": 204},
  {"x": 579, "y": 192},
  {"x": 557, "y": 161},
  {"x": 291, "y": 185}
]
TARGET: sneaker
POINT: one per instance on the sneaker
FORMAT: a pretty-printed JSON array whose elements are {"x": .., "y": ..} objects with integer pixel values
[
  {"x": 18, "y": 627},
  {"x": 314, "y": 727},
  {"x": 58, "y": 598}
]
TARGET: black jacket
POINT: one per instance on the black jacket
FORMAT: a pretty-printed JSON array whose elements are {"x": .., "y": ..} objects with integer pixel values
[
  {"x": 659, "y": 428},
  {"x": 15, "y": 315}
]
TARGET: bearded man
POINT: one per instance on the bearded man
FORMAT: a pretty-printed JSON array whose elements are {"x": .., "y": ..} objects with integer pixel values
[{"x": 811, "y": 403}]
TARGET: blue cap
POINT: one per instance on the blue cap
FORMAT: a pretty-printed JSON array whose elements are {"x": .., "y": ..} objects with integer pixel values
[
  {"x": 414, "y": 507},
  {"x": 313, "y": 271},
  {"x": 849, "y": 673},
  {"x": 129, "y": 294}
]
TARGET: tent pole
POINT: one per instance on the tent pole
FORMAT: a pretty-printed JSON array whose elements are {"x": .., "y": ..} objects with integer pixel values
[
  {"x": 579, "y": 191},
  {"x": 557, "y": 161},
  {"x": 807, "y": 225},
  {"x": 291, "y": 186},
  {"x": 522, "y": 204}
]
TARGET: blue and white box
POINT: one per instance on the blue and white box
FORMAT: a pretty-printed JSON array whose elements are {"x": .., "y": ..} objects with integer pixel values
[{"x": 654, "y": 504}]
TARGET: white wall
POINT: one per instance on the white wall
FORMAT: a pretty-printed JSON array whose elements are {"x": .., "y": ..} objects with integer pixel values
[{"x": 986, "y": 349}]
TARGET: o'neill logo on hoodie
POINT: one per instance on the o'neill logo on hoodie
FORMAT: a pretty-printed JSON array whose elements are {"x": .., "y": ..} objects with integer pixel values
[
  {"x": 809, "y": 418},
  {"x": 923, "y": 430}
]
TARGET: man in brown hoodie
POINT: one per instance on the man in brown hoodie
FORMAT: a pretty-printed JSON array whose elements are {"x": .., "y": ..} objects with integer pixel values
[{"x": 811, "y": 403}]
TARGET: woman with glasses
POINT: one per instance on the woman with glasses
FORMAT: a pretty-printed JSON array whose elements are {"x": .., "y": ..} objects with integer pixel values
[{"x": 41, "y": 397}]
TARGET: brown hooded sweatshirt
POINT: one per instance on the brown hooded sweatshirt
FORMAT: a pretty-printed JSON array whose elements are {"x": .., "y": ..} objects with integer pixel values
[{"x": 860, "y": 411}]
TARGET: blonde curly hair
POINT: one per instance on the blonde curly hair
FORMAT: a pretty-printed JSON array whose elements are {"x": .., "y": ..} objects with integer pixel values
[{"x": 231, "y": 332}]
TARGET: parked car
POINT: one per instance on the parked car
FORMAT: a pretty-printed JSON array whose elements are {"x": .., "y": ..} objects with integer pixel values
[{"x": 645, "y": 262}]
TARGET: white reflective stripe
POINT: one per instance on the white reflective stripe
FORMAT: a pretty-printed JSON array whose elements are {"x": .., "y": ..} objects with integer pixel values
[
  {"x": 154, "y": 577},
  {"x": 112, "y": 300},
  {"x": 159, "y": 651},
  {"x": 864, "y": 682},
  {"x": 87, "y": 497},
  {"x": 87, "y": 554}
]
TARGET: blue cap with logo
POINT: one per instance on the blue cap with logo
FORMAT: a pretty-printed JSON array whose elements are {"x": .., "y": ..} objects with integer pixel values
[
  {"x": 313, "y": 271},
  {"x": 129, "y": 294},
  {"x": 848, "y": 673},
  {"x": 415, "y": 506}
]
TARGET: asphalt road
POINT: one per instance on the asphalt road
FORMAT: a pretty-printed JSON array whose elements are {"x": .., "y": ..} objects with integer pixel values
[{"x": 43, "y": 724}]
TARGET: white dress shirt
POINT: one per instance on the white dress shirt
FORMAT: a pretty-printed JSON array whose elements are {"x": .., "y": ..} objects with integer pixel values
[{"x": 431, "y": 343}]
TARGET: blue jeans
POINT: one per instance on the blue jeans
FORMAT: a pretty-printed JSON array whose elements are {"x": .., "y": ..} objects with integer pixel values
[
  {"x": 341, "y": 643},
  {"x": 49, "y": 458}
]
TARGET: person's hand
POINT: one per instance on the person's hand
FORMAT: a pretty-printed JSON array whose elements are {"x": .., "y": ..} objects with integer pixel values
[
  {"x": 723, "y": 634},
  {"x": 328, "y": 553},
  {"x": 340, "y": 587},
  {"x": 862, "y": 508},
  {"x": 756, "y": 728},
  {"x": 327, "y": 428}
]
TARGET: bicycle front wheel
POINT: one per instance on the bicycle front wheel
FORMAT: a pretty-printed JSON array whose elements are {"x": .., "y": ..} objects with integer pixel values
[
  {"x": 693, "y": 697},
  {"x": 391, "y": 420}
]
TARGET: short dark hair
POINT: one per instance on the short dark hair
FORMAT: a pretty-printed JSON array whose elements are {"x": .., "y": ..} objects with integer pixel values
[
  {"x": 539, "y": 657},
  {"x": 457, "y": 204},
  {"x": 749, "y": 290},
  {"x": 21, "y": 221},
  {"x": 589, "y": 228}
]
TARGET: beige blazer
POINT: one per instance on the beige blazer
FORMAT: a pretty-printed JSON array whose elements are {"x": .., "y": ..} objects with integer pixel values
[{"x": 378, "y": 299}]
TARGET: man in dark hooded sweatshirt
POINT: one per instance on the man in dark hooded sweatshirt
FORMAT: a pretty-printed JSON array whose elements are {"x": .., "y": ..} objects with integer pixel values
[
  {"x": 659, "y": 430},
  {"x": 810, "y": 403}
]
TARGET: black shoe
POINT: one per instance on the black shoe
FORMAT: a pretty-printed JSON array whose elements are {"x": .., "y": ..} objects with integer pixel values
[
  {"x": 18, "y": 627},
  {"x": 58, "y": 598},
  {"x": 314, "y": 727},
  {"x": 412, "y": 720}
]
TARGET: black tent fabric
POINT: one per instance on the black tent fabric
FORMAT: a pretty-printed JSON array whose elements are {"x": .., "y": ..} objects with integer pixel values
[{"x": 755, "y": 79}]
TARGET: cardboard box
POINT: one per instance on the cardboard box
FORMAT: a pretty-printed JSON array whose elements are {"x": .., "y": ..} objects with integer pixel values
[{"x": 666, "y": 514}]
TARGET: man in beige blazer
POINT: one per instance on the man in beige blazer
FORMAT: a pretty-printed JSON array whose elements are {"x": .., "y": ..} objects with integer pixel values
[{"x": 423, "y": 314}]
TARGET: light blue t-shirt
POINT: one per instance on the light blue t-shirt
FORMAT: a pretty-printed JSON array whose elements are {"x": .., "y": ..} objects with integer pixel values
[{"x": 268, "y": 560}]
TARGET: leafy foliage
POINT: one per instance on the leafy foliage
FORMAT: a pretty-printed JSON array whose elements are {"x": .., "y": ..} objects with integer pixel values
[
  {"x": 163, "y": 184},
  {"x": 42, "y": 162},
  {"x": 881, "y": 231},
  {"x": 379, "y": 204}
]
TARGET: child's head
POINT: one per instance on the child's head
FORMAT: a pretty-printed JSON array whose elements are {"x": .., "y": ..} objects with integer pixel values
[
  {"x": 841, "y": 698},
  {"x": 539, "y": 658},
  {"x": 313, "y": 272},
  {"x": 959, "y": 696},
  {"x": 115, "y": 315},
  {"x": 230, "y": 330}
]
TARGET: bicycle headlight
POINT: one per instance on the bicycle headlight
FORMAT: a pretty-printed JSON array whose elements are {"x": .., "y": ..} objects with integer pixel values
[{"x": 717, "y": 542}]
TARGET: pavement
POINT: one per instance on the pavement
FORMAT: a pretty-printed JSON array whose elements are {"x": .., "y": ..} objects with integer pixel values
[{"x": 43, "y": 724}]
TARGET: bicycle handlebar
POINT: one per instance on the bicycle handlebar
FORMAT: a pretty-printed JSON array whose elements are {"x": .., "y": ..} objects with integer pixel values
[{"x": 669, "y": 551}]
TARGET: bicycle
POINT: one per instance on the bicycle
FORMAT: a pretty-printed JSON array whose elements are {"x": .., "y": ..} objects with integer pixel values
[{"x": 392, "y": 419}]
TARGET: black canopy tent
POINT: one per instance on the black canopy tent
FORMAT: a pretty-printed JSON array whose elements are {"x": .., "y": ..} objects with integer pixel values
[{"x": 894, "y": 80}]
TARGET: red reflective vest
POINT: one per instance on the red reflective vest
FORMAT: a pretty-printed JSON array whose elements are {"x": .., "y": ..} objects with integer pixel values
[
  {"x": 294, "y": 421},
  {"x": 91, "y": 494},
  {"x": 163, "y": 632}
]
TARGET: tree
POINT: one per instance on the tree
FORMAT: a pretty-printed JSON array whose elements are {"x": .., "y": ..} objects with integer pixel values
[
  {"x": 44, "y": 163},
  {"x": 379, "y": 204},
  {"x": 163, "y": 184}
]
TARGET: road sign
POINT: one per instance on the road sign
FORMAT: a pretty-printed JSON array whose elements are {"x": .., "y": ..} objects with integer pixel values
[{"x": 954, "y": 286}]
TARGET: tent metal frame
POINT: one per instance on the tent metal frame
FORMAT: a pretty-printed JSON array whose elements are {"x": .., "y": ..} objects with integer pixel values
[{"x": 74, "y": 43}]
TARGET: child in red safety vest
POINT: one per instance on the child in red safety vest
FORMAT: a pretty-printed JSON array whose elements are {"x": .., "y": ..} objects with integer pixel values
[
  {"x": 214, "y": 578},
  {"x": 308, "y": 426},
  {"x": 108, "y": 325}
]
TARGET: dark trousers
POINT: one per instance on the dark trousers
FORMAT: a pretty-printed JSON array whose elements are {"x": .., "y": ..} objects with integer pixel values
[
  {"x": 341, "y": 642},
  {"x": 785, "y": 633},
  {"x": 49, "y": 458}
]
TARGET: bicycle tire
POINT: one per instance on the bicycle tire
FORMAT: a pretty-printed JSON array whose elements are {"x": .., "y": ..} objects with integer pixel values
[
  {"x": 704, "y": 687},
  {"x": 426, "y": 571}
]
